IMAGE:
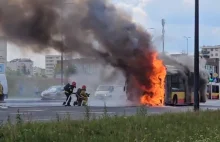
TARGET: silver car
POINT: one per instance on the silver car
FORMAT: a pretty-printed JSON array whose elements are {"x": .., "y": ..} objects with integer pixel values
[{"x": 54, "y": 92}]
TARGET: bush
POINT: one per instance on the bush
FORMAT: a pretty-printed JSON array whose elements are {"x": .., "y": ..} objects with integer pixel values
[
  {"x": 28, "y": 84},
  {"x": 182, "y": 127}
]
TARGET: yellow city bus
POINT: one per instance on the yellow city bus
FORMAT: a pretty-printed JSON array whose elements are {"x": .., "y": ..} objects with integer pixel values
[
  {"x": 213, "y": 90},
  {"x": 178, "y": 91}
]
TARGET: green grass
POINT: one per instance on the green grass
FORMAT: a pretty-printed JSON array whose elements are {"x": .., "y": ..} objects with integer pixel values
[{"x": 180, "y": 127}]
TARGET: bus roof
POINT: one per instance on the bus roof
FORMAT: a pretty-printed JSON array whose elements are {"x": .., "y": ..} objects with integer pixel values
[{"x": 172, "y": 69}]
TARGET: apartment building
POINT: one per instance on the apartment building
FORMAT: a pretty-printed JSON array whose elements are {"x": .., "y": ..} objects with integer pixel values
[
  {"x": 212, "y": 56},
  {"x": 23, "y": 65},
  {"x": 50, "y": 64},
  {"x": 37, "y": 71}
]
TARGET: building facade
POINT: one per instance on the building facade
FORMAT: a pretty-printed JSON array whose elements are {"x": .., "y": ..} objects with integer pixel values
[
  {"x": 212, "y": 56},
  {"x": 37, "y": 71},
  {"x": 50, "y": 64},
  {"x": 23, "y": 65}
]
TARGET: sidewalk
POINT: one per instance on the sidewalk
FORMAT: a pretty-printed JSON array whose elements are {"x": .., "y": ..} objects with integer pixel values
[{"x": 211, "y": 103}]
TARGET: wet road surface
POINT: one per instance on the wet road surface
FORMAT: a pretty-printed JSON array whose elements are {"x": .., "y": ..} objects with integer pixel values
[{"x": 39, "y": 110}]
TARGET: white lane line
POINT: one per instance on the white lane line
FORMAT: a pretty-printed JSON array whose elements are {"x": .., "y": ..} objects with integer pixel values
[
  {"x": 23, "y": 112},
  {"x": 38, "y": 120},
  {"x": 84, "y": 112},
  {"x": 37, "y": 110}
]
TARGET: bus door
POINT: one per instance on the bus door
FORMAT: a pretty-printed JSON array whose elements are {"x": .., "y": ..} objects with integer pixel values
[
  {"x": 167, "y": 95},
  {"x": 178, "y": 90}
]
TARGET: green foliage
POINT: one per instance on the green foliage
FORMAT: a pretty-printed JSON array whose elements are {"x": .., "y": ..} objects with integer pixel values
[
  {"x": 70, "y": 69},
  {"x": 29, "y": 85},
  {"x": 181, "y": 127}
]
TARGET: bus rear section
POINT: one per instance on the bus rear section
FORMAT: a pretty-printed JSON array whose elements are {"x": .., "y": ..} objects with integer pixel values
[
  {"x": 213, "y": 91},
  {"x": 178, "y": 92}
]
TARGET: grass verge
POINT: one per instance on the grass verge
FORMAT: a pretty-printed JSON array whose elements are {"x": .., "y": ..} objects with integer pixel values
[{"x": 202, "y": 126}]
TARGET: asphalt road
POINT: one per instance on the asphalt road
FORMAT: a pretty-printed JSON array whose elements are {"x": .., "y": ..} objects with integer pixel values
[{"x": 37, "y": 110}]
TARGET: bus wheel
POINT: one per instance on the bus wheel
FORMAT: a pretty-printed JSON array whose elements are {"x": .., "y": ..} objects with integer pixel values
[{"x": 175, "y": 100}]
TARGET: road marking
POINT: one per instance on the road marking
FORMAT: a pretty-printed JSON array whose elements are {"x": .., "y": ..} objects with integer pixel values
[
  {"x": 34, "y": 110},
  {"x": 46, "y": 119},
  {"x": 21, "y": 113},
  {"x": 77, "y": 112}
]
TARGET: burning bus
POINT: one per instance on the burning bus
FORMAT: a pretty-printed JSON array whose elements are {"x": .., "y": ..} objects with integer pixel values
[{"x": 178, "y": 89}]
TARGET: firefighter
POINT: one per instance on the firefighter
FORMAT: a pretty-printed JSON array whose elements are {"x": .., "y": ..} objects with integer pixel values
[
  {"x": 77, "y": 96},
  {"x": 1, "y": 93},
  {"x": 84, "y": 95},
  {"x": 68, "y": 91}
]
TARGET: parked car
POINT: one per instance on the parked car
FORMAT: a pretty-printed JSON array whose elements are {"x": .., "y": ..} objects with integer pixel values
[
  {"x": 108, "y": 91},
  {"x": 54, "y": 92}
]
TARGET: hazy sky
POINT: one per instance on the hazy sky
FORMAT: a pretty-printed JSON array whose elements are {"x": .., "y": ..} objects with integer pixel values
[{"x": 179, "y": 16}]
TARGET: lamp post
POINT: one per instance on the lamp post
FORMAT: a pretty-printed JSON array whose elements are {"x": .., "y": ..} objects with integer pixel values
[
  {"x": 196, "y": 58},
  {"x": 163, "y": 32},
  {"x": 151, "y": 29},
  {"x": 187, "y": 38}
]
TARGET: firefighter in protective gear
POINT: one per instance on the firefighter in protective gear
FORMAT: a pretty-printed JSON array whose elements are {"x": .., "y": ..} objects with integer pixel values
[
  {"x": 68, "y": 92},
  {"x": 84, "y": 95},
  {"x": 77, "y": 96}
]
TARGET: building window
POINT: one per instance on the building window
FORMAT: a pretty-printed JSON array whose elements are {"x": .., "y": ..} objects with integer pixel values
[
  {"x": 211, "y": 49},
  {"x": 211, "y": 54},
  {"x": 216, "y": 54},
  {"x": 216, "y": 49}
]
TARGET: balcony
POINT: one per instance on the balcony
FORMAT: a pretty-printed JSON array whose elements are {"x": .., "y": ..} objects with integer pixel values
[
  {"x": 205, "y": 56},
  {"x": 205, "y": 52}
]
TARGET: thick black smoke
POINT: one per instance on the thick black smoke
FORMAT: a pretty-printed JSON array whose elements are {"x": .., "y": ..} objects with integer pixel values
[{"x": 36, "y": 24}]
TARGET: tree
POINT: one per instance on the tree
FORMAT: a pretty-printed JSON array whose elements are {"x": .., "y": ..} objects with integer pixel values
[
  {"x": 24, "y": 69},
  {"x": 18, "y": 72},
  {"x": 69, "y": 69}
]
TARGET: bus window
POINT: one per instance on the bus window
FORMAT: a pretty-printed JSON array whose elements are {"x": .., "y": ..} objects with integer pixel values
[
  {"x": 177, "y": 82},
  {"x": 208, "y": 89},
  {"x": 215, "y": 88}
]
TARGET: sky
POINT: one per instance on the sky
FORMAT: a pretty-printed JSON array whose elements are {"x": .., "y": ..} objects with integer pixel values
[{"x": 179, "y": 18}]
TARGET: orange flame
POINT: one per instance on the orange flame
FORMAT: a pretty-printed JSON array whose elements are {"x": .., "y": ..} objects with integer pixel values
[{"x": 154, "y": 95}]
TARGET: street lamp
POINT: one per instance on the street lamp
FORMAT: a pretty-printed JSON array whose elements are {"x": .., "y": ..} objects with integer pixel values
[
  {"x": 196, "y": 58},
  {"x": 151, "y": 29},
  {"x": 187, "y": 38}
]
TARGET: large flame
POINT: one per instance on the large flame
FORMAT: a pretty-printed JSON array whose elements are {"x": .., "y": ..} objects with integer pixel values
[{"x": 154, "y": 94}]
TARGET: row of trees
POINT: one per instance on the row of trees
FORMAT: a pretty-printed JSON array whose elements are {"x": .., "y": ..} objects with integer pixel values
[{"x": 67, "y": 69}]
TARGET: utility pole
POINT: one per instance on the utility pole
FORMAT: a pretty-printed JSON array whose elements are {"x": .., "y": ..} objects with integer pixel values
[
  {"x": 196, "y": 58},
  {"x": 62, "y": 49},
  {"x": 63, "y": 45},
  {"x": 163, "y": 31},
  {"x": 187, "y": 38}
]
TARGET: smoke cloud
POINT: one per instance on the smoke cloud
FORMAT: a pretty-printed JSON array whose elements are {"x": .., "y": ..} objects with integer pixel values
[
  {"x": 91, "y": 28},
  {"x": 41, "y": 24}
]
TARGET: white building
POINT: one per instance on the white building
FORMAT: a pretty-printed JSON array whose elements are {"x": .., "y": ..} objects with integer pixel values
[
  {"x": 212, "y": 55},
  {"x": 23, "y": 65},
  {"x": 50, "y": 64},
  {"x": 3, "y": 54},
  {"x": 211, "y": 51},
  {"x": 38, "y": 71}
]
